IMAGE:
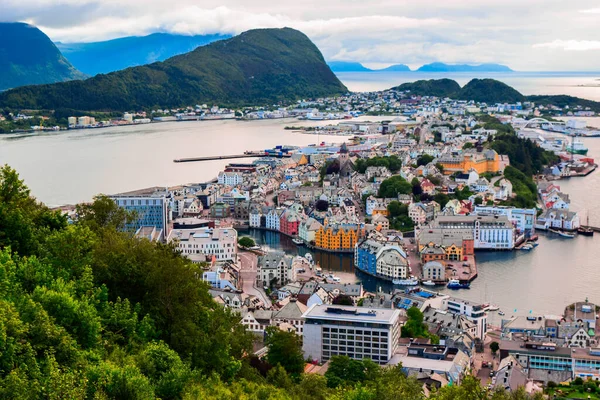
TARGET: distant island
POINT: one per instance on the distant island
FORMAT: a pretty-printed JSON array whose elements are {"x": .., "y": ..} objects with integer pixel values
[
  {"x": 489, "y": 91},
  {"x": 28, "y": 57},
  {"x": 256, "y": 67},
  {"x": 351, "y": 66},
  {"x": 131, "y": 51}
]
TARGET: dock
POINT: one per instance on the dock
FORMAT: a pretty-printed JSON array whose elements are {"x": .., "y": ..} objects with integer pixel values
[{"x": 233, "y": 156}]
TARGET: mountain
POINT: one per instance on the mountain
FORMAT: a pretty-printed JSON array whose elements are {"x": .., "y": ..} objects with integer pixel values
[
  {"x": 432, "y": 87},
  {"x": 256, "y": 67},
  {"x": 489, "y": 91},
  {"x": 347, "y": 66},
  {"x": 28, "y": 57},
  {"x": 441, "y": 67},
  {"x": 113, "y": 55},
  {"x": 396, "y": 68},
  {"x": 563, "y": 100}
]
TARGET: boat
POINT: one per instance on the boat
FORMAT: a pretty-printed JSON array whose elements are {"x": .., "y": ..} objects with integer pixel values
[
  {"x": 500, "y": 312},
  {"x": 298, "y": 241},
  {"x": 586, "y": 230},
  {"x": 412, "y": 281},
  {"x": 455, "y": 284},
  {"x": 563, "y": 234},
  {"x": 577, "y": 147},
  {"x": 309, "y": 257},
  {"x": 534, "y": 238},
  {"x": 492, "y": 307},
  {"x": 527, "y": 247},
  {"x": 428, "y": 283},
  {"x": 534, "y": 244}
]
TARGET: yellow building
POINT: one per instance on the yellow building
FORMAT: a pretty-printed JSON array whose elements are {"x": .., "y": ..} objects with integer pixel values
[
  {"x": 380, "y": 211},
  {"x": 480, "y": 161},
  {"x": 336, "y": 238}
]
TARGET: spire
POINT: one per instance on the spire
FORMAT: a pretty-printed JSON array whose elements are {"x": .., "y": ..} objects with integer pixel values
[{"x": 344, "y": 149}]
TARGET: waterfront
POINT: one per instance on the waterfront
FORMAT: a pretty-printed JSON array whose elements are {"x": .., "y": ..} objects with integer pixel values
[{"x": 580, "y": 84}]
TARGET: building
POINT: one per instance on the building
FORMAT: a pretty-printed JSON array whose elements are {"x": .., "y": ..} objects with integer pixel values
[
  {"x": 481, "y": 161},
  {"x": 523, "y": 219},
  {"x": 558, "y": 219},
  {"x": 434, "y": 271},
  {"x": 289, "y": 222},
  {"x": 275, "y": 267},
  {"x": 358, "y": 333},
  {"x": 204, "y": 243},
  {"x": 308, "y": 229},
  {"x": 230, "y": 178},
  {"x": 388, "y": 261},
  {"x": 336, "y": 239},
  {"x": 488, "y": 232},
  {"x": 474, "y": 312},
  {"x": 272, "y": 219},
  {"x": 151, "y": 208}
]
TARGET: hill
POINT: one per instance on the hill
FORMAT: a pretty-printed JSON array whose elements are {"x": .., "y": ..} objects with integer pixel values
[
  {"x": 347, "y": 66},
  {"x": 28, "y": 57},
  {"x": 565, "y": 100},
  {"x": 396, "y": 68},
  {"x": 256, "y": 67},
  {"x": 114, "y": 55},
  {"x": 432, "y": 87},
  {"x": 442, "y": 67},
  {"x": 489, "y": 91}
]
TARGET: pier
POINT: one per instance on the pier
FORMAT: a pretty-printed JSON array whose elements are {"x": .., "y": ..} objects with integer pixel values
[{"x": 249, "y": 154}]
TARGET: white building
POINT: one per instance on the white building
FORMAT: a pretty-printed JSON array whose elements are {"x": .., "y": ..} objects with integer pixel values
[
  {"x": 204, "y": 243},
  {"x": 558, "y": 219},
  {"x": 230, "y": 178},
  {"x": 522, "y": 218},
  {"x": 489, "y": 232},
  {"x": 356, "y": 332},
  {"x": 275, "y": 266},
  {"x": 254, "y": 218},
  {"x": 392, "y": 262},
  {"x": 474, "y": 312},
  {"x": 272, "y": 219}
]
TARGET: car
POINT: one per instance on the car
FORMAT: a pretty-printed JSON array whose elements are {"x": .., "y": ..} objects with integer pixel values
[
  {"x": 465, "y": 272},
  {"x": 301, "y": 270},
  {"x": 492, "y": 374},
  {"x": 485, "y": 364}
]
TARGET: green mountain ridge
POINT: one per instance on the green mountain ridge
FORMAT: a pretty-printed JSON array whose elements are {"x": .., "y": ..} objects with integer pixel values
[
  {"x": 256, "y": 67},
  {"x": 28, "y": 57},
  {"x": 489, "y": 91}
]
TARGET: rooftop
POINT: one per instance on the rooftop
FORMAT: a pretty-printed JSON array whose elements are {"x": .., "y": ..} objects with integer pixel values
[{"x": 354, "y": 314}]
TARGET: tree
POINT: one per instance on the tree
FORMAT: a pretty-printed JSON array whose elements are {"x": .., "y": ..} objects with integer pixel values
[
  {"x": 494, "y": 346},
  {"x": 424, "y": 159},
  {"x": 396, "y": 209},
  {"x": 394, "y": 186},
  {"x": 478, "y": 201},
  {"x": 468, "y": 145},
  {"x": 343, "y": 300},
  {"x": 344, "y": 371},
  {"x": 285, "y": 350},
  {"x": 246, "y": 242},
  {"x": 321, "y": 205}
]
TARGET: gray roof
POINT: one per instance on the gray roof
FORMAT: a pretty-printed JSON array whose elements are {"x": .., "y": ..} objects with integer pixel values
[{"x": 353, "y": 314}]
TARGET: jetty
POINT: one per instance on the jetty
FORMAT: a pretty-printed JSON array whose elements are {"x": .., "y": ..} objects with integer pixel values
[{"x": 248, "y": 154}]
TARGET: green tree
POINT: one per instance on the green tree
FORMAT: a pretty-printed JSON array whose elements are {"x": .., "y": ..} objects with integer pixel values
[
  {"x": 285, "y": 350},
  {"x": 246, "y": 242},
  {"x": 424, "y": 159},
  {"x": 494, "y": 346},
  {"x": 467, "y": 146},
  {"x": 394, "y": 186}
]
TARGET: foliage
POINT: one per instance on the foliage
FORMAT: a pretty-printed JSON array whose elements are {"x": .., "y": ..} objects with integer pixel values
[
  {"x": 467, "y": 146},
  {"x": 563, "y": 101},
  {"x": 393, "y": 163},
  {"x": 343, "y": 300},
  {"x": 394, "y": 186},
  {"x": 246, "y": 242},
  {"x": 285, "y": 350},
  {"x": 523, "y": 186},
  {"x": 494, "y": 346},
  {"x": 523, "y": 154},
  {"x": 256, "y": 67},
  {"x": 432, "y": 87},
  {"x": 415, "y": 327},
  {"x": 399, "y": 218},
  {"x": 489, "y": 91},
  {"x": 424, "y": 159},
  {"x": 321, "y": 205}
]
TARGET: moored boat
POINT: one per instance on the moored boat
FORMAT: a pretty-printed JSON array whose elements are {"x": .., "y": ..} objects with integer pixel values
[
  {"x": 298, "y": 241},
  {"x": 412, "y": 281},
  {"x": 428, "y": 283},
  {"x": 562, "y": 233},
  {"x": 492, "y": 307},
  {"x": 455, "y": 284},
  {"x": 527, "y": 247}
]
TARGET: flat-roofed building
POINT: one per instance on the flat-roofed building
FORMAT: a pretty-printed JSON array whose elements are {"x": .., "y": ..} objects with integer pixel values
[
  {"x": 203, "y": 243},
  {"x": 359, "y": 333}
]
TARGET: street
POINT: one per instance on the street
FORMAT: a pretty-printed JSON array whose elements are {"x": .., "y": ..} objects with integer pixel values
[{"x": 248, "y": 273}]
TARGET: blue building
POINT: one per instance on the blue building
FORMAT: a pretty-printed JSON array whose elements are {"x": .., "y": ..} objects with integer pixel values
[
  {"x": 365, "y": 256},
  {"x": 150, "y": 206}
]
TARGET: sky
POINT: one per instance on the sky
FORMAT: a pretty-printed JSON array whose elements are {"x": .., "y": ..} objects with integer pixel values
[{"x": 527, "y": 35}]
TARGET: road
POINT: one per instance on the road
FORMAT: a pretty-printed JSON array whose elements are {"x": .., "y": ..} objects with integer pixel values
[{"x": 248, "y": 273}]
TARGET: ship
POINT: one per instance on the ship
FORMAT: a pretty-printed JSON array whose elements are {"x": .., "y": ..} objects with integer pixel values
[
  {"x": 562, "y": 233},
  {"x": 298, "y": 241},
  {"x": 577, "y": 147},
  {"x": 586, "y": 230},
  {"x": 412, "y": 281},
  {"x": 428, "y": 283},
  {"x": 455, "y": 284}
]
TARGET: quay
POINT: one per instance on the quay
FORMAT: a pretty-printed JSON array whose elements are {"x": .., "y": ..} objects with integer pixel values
[{"x": 249, "y": 154}]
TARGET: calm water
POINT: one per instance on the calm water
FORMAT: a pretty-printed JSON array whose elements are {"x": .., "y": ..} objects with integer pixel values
[
  {"x": 583, "y": 84},
  {"x": 70, "y": 167}
]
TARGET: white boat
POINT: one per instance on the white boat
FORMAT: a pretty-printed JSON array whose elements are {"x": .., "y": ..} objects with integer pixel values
[
  {"x": 428, "y": 283},
  {"x": 492, "y": 307},
  {"x": 500, "y": 312},
  {"x": 527, "y": 247},
  {"x": 309, "y": 257},
  {"x": 412, "y": 281},
  {"x": 298, "y": 241},
  {"x": 563, "y": 234}
]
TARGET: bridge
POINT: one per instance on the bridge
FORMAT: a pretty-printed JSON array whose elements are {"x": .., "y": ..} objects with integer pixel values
[{"x": 538, "y": 121}]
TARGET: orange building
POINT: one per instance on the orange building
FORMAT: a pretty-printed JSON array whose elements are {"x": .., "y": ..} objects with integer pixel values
[
  {"x": 336, "y": 238},
  {"x": 480, "y": 161}
]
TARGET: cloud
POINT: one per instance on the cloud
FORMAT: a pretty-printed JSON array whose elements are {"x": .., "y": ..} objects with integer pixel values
[
  {"x": 591, "y": 11},
  {"x": 571, "y": 45}
]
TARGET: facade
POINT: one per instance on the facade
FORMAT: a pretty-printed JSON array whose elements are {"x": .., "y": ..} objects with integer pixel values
[
  {"x": 230, "y": 178},
  {"x": 289, "y": 222},
  {"x": 387, "y": 261},
  {"x": 474, "y": 312},
  {"x": 275, "y": 267},
  {"x": 479, "y": 161},
  {"x": 558, "y": 219},
  {"x": 523, "y": 219},
  {"x": 488, "y": 232},
  {"x": 336, "y": 239},
  {"x": 434, "y": 270},
  {"x": 150, "y": 207},
  {"x": 272, "y": 219},
  {"x": 358, "y": 333},
  {"x": 308, "y": 229},
  {"x": 197, "y": 244}
]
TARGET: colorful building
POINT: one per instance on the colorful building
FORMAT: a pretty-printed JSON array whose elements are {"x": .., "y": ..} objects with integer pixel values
[
  {"x": 336, "y": 238},
  {"x": 479, "y": 161}
]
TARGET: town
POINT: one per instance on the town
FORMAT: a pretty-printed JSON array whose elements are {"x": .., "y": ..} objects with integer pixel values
[{"x": 412, "y": 200}]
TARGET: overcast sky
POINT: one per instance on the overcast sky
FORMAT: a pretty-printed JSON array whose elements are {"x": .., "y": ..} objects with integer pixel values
[{"x": 526, "y": 35}]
